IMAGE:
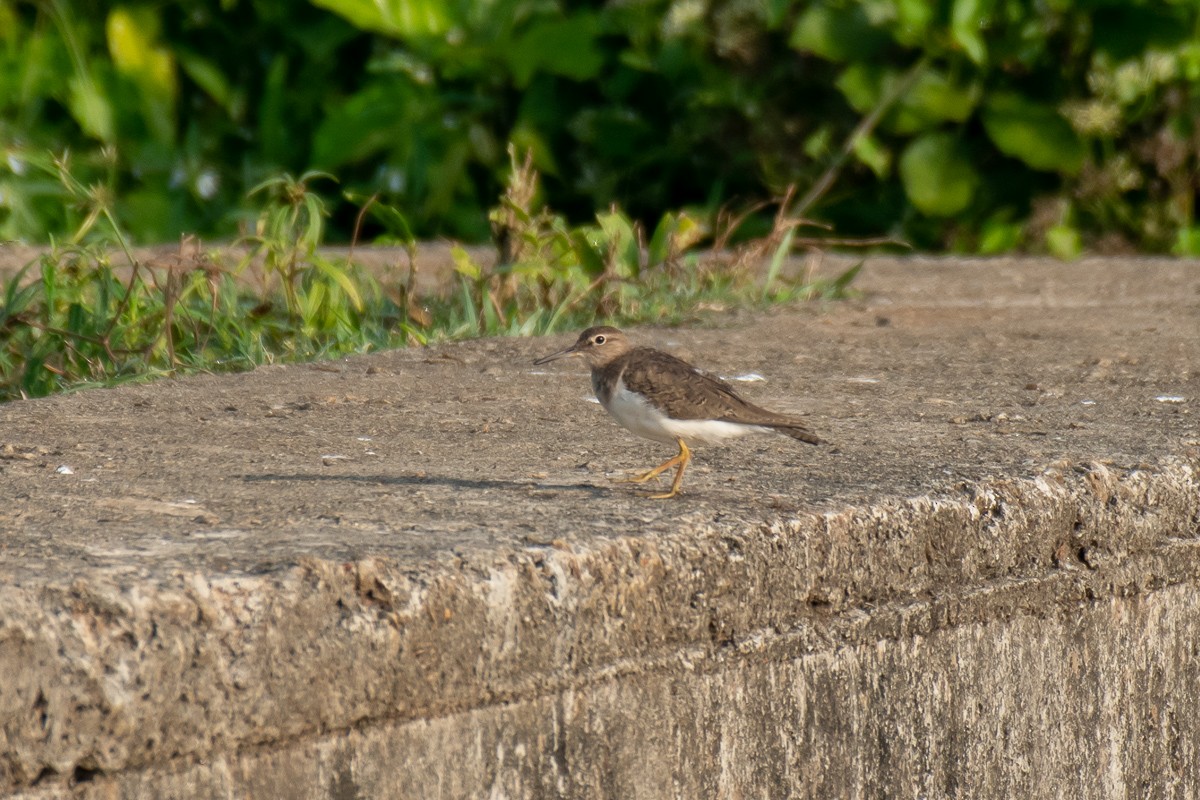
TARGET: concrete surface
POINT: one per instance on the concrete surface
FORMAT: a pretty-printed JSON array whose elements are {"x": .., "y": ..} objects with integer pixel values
[{"x": 410, "y": 575}]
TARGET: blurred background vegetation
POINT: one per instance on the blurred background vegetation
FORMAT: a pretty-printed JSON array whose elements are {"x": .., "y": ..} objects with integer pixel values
[{"x": 1037, "y": 125}]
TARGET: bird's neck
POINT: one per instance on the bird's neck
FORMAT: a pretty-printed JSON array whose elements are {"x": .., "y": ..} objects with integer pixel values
[{"x": 605, "y": 378}]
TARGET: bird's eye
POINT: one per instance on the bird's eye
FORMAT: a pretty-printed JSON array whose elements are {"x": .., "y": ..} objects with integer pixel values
[{"x": 598, "y": 340}]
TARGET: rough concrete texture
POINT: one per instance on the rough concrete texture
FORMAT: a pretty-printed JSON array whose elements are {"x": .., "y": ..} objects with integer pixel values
[{"x": 410, "y": 575}]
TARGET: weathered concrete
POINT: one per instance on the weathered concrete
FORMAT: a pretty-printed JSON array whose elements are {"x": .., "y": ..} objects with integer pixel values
[{"x": 407, "y": 574}]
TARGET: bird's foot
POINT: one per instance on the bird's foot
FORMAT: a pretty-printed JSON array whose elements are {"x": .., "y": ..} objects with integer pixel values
[
  {"x": 641, "y": 477},
  {"x": 680, "y": 461},
  {"x": 652, "y": 473}
]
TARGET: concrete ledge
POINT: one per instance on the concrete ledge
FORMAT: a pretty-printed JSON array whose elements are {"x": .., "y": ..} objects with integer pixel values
[{"x": 1025, "y": 626}]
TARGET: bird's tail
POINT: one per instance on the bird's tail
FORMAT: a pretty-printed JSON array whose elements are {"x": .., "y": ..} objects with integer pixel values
[{"x": 797, "y": 431}]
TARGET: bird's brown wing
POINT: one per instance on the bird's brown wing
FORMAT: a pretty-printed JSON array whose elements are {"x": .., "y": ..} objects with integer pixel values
[{"x": 684, "y": 392}]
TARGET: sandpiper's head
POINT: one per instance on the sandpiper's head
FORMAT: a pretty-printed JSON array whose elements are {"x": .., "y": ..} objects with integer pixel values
[{"x": 597, "y": 346}]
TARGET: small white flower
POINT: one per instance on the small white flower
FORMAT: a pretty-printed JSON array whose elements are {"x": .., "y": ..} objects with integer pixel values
[{"x": 207, "y": 184}]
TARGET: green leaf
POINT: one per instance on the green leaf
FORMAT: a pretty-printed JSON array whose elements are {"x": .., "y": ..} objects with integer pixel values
[
  {"x": 1064, "y": 241},
  {"x": 659, "y": 249},
  {"x": 622, "y": 242},
  {"x": 836, "y": 34},
  {"x": 590, "y": 257},
  {"x": 934, "y": 98},
  {"x": 132, "y": 41},
  {"x": 465, "y": 265},
  {"x": 912, "y": 21},
  {"x": 208, "y": 76},
  {"x": 1033, "y": 133},
  {"x": 674, "y": 234},
  {"x": 565, "y": 47},
  {"x": 937, "y": 175},
  {"x": 775, "y": 12},
  {"x": 842, "y": 282},
  {"x": 394, "y": 221},
  {"x": 862, "y": 84},
  {"x": 1000, "y": 234},
  {"x": 870, "y": 151},
  {"x": 274, "y": 136},
  {"x": 9, "y": 31},
  {"x": 967, "y": 20},
  {"x": 368, "y": 123},
  {"x": 342, "y": 278},
  {"x": 1187, "y": 242},
  {"x": 91, "y": 109},
  {"x": 525, "y": 137},
  {"x": 781, "y": 254},
  {"x": 18, "y": 295},
  {"x": 399, "y": 18},
  {"x": 819, "y": 144}
]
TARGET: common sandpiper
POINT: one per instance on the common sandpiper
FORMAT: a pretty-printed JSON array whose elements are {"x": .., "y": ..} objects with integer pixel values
[{"x": 663, "y": 398}]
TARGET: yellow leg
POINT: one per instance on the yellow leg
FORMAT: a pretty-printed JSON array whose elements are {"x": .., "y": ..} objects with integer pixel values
[{"x": 681, "y": 460}]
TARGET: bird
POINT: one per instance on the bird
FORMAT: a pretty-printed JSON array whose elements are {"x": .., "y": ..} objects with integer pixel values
[{"x": 663, "y": 398}]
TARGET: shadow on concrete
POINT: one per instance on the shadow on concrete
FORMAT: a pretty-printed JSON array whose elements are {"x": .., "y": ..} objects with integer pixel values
[{"x": 435, "y": 480}]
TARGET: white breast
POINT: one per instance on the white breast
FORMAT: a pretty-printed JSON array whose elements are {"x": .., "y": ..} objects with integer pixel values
[{"x": 634, "y": 413}]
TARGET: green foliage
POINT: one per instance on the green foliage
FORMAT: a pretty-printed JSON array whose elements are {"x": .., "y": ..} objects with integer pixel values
[
  {"x": 177, "y": 109},
  {"x": 75, "y": 319},
  {"x": 938, "y": 175},
  {"x": 1025, "y": 107},
  {"x": 550, "y": 275},
  {"x": 1034, "y": 133}
]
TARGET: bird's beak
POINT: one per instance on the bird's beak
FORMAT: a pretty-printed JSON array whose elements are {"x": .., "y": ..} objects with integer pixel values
[{"x": 567, "y": 353}]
